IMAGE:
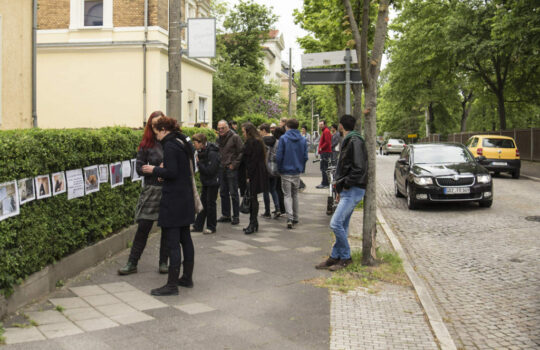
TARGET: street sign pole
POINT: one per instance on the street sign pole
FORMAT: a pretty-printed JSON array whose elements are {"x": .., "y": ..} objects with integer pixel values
[{"x": 348, "y": 60}]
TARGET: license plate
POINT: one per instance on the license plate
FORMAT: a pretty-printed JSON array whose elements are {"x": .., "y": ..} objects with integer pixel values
[
  {"x": 499, "y": 163},
  {"x": 457, "y": 190}
]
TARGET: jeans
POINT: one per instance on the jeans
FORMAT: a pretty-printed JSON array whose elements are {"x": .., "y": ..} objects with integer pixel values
[
  {"x": 279, "y": 190},
  {"x": 290, "y": 185},
  {"x": 229, "y": 192},
  {"x": 174, "y": 237},
  {"x": 325, "y": 159},
  {"x": 139, "y": 242},
  {"x": 272, "y": 190},
  {"x": 209, "y": 213},
  {"x": 340, "y": 221}
]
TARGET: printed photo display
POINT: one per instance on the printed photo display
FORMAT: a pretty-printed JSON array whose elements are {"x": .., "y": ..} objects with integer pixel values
[
  {"x": 9, "y": 200},
  {"x": 59, "y": 183},
  {"x": 75, "y": 183},
  {"x": 91, "y": 179},
  {"x": 126, "y": 168},
  {"x": 115, "y": 172},
  {"x": 103, "y": 173},
  {"x": 27, "y": 190},
  {"x": 43, "y": 186},
  {"x": 134, "y": 175}
]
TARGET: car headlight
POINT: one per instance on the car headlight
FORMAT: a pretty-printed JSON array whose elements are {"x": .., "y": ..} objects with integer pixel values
[
  {"x": 423, "y": 181},
  {"x": 484, "y": 178}
]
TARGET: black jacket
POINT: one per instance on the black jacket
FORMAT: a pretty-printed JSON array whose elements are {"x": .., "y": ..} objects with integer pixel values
[
  {"x": 230, "y": 149},
  {"x": 209, "y": 161},
  {"x": 152, "y": 156},
  {"x": 352, "y": 164},
  {"x": 255, "y": 160},
  {"x": 176, "y": 208}
]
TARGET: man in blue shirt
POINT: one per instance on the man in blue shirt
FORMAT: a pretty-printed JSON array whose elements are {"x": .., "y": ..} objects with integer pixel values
[{"x": 291, "y": 158}]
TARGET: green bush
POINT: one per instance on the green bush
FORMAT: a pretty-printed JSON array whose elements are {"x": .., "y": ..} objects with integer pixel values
[
  {"x": 256, "y": 118},
  {"x": 48, "y": 229}
]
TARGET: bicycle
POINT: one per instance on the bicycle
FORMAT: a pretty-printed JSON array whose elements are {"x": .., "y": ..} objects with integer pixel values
[{"x": 331, "y": 200}]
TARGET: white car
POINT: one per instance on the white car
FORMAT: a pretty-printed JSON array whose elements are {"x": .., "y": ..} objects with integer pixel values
[{"x": 393, "y": 146}]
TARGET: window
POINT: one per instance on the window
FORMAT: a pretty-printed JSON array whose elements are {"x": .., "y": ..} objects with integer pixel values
[
  {"x": 93, "y": 13},
  {"x": 474, "y": 142},
  {"x": 202, "y": 110},
  {"x": 498, "y": 143}
]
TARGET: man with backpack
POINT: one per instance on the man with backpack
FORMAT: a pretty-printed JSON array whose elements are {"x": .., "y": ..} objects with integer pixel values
[
  {"x": 291, "y": 158},
  {"x": 271, "y": 147}
]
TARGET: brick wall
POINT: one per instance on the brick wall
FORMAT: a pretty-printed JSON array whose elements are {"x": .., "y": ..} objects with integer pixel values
[
  {"x": 128, "y": 13},
  {"x": 53, "y": 14}
]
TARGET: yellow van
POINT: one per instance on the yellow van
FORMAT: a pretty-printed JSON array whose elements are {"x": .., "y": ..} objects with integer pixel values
[{"x": 496, "y": 153}]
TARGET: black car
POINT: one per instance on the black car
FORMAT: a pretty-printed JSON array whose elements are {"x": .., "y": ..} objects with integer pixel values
[{"x": 441, "y": 172}]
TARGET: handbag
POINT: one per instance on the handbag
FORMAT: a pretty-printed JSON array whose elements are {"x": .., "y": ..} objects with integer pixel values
[
  {"x": 196, "y": 198},
  {"x": 246, "y": 202}
]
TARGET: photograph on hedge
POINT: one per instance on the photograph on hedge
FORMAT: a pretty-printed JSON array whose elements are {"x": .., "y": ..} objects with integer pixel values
[
  {"x": 91, "y": 180},
  {"x": 27, "y": 190},
  {"x": 116, "y": 174},
  {"x": 75, "y": 183},
  {"x": 9, "y": 200},
  {"x": 103, "y": 173},
  {"x": 43, "y": 186},
  {"x": 134, "y": 175},
  {"x": 126, "y": 168},
  {"x": 59, "y": 183}
]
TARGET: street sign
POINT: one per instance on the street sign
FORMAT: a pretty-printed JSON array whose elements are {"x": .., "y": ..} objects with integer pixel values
[
  {"x": 412, "y": 136},
  {"x": 330, "y": 58},
  {"x": 201, "y": 37},
  {"x": 328, "y": 76}
]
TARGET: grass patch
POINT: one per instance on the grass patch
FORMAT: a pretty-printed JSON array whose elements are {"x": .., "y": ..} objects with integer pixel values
[
  {"x": 60, "y": 283},
  {"x": 389, "y": 268},
  {"x": 2, "y": 338},
  {"x": 59, "y": 308},
  {"x": 360, "y": 205}
]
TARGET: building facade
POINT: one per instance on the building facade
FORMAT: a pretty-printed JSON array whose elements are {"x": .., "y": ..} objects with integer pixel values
[
  {"x": 100, "y": 63},
  {"x": 16, "y": 59}
]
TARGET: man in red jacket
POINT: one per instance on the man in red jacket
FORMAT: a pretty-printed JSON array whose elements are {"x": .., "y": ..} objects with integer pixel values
[{"x": 325, "y": 151}]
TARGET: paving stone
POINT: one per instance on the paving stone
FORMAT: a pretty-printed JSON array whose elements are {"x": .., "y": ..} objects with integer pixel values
[
  {"x": 82, "y": 314},
  {"x": 194, "y": 308},
  {"x": 47, "y": 317},
  {"x": 96, "y": 324},
  {"x": 119, "y": 309},
  {"x": 55, "y": 330},
  {"x": 243, "y": 271},
  {"x": 235, "y": 243},
  {"x": 86, "y": 291},
  {"x": 131, "y": 318},
  {"x": 99, "y": 300},
  {"x": 276, "y": 248},
  {"x": 117, "y": 287},
  {"x": 238, "y": 252},
  {"x": 264, "y": 239},
  {"x": 16, "y": 335},
  {"x": 308, "y": 249},
  {"x": 69, "y": 303},
  {"x": 140, "y": 301}
]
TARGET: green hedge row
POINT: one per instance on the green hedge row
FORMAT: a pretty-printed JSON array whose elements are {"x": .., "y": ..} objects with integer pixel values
[{"x": 49, "y": 229}]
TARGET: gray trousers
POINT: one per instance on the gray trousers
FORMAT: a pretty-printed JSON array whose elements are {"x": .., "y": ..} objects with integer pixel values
[{"x": 290, "y": 185}]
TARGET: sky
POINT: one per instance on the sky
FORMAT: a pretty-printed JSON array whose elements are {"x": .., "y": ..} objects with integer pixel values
[{"x": 284, "y": 9}]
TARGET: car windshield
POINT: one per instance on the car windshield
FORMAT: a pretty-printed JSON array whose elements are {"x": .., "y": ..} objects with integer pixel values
[
  {"x": 498, "y": 143},
  {"x": 395, "y": 141},
  {"x": 441, "y": 154}
]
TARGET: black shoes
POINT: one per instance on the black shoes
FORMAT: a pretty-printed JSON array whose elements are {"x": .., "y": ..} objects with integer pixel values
[
  {"x": 196, "y": 229},
  {"x": 224, "y": 219},
  {"x": 128, "y": 269},
  {"x": 186, "y": 280},
  {"x": 321, "y": 186},
  {"x": 165, "y": 290},
  {"x": 325, "y": 265},
  {"x": 252, "y": 228},
  {"x": 277, "y": 215},
  {"x": 163, "y": 268},
  {"x": 267, "y": 215},
  {"x": 235, "y": 221}
]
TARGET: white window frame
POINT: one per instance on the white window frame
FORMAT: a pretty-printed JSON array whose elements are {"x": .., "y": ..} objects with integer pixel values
[
  {"x": 205, "y": 111},
  {"x": 76, "y": 17}
]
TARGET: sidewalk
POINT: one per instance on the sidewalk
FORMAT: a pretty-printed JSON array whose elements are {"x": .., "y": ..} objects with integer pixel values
[{"x": 250, "y": 293}]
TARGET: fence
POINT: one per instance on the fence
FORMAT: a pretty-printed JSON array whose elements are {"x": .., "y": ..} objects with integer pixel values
[{"x": 527, "y": 140}]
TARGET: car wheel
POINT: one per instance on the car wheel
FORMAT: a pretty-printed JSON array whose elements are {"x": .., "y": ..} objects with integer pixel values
[
  {"x": 396, "y": 189},
  {"x": 515, "y": 174},
  {"x": 497, "y": 173},
  {"x": 411, "y": 203},
  {"x": 485, "y": 204}
]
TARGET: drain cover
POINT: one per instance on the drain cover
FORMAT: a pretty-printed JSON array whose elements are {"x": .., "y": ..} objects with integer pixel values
[{"x": 533, "y": 218}]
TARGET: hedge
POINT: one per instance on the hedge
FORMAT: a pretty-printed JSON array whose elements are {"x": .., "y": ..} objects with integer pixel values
[{"x": 48, "y": 229}]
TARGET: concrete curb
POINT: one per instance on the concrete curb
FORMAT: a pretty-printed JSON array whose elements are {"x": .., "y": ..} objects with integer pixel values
[
  {"x": 434, "y": 318},
  {"x": 531, "y": 177},
  {"x": 43, "y": 282}
]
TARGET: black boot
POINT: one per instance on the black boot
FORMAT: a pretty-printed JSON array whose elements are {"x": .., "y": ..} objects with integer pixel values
[
  {"x": 187, "y": 276},
  {"x": 129, "y": 268},
  {"x": 171, "y": 288}
]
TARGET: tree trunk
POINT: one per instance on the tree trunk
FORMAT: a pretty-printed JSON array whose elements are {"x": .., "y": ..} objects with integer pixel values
[
  {"x": 357, "y": 108},
  {"x": 501, "y": 109},
  {"x": 431, "y": 118},
  {"x": 340, "y": 100},
  {"x": 466, "y": 105},
  {"x": 174, "y": 91}
]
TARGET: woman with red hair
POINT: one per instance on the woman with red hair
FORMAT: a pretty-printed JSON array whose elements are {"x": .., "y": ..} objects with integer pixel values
[{"x": 147, "y": 210}]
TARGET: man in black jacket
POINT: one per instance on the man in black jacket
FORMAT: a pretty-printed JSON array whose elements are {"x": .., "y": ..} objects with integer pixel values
[{"x": 351, "y": 180}]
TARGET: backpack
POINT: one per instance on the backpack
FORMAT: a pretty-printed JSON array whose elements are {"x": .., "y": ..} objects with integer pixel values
[{"x": 271, "y": 164}]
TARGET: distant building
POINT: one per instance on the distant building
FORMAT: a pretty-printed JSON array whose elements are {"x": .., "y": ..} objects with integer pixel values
[
  {"x": 91, "y": 64},
  {"x": 16, "y": 56},
  {"x": 277, "y": 71}
]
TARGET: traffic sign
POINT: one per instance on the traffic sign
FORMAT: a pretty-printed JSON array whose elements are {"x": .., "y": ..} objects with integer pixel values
[
  {"x": 330, "y": 58},
  {"x": 412, "y": 136},
  {"x": 328, "y": 76}
]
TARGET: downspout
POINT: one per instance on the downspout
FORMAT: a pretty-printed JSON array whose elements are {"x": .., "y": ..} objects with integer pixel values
[
  {"x": 144, "y": 58},
  {"x": 34, "y": 63}
]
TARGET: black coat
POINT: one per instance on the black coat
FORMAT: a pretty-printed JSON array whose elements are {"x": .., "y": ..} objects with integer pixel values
[
  {"x": 352, "y": 164},
  {"x": 176, "y": 208},
  {"x": 209, "y": 162},
  {"x": 255, "y": 160},
  {"x": 152, "y": 156}
]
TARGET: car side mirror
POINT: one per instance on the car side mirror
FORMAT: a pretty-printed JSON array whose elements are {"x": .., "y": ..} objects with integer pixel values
[
  {"x": 480, "y": 159},
  {"x": 403, "y": 161}
]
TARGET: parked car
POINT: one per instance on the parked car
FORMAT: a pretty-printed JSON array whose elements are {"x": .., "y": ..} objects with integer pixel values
[
  {"x": 496, "y": 153},
  {"x": 441, "y": 172},
  {"x": 393, "y": 146}
]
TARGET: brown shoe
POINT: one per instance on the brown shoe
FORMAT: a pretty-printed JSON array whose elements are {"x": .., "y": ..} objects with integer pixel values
[
  {"x": 327, "y": 263},
  {"x": 340, "y": 265}
]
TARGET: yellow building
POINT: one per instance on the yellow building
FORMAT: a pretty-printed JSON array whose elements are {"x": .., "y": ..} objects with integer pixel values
[
  {"x": 16, "y": 57},
  {"x": 100, "y": 63}
]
